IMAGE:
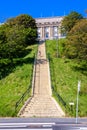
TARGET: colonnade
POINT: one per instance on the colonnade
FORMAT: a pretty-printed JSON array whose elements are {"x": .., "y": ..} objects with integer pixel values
[
  {"x": 48, "y": 32},
  {"x": 49, "y": 28}
]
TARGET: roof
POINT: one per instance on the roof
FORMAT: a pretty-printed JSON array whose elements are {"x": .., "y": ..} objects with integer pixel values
[{"x": 49, "y": 19}]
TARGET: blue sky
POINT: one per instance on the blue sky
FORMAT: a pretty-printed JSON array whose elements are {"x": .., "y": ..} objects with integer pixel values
[{"x": 40, "y": 8}]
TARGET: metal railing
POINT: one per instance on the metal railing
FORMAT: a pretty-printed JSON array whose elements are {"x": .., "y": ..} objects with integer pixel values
[
  {"x": 34, "y": 72},
  {"x": 53, "y": 88},
  {"x": 51, "y": 69},
  {"x": 21, "y": 100}
]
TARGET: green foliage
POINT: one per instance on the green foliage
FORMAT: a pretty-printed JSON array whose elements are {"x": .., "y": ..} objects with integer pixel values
[
  {"x": 58, "y": 47},
  {"x": 70, "y": 20},
  {"x": 22, "y": 20},
  {"x": 15, "y": 65},
  {"x": 25, "y": 26},
  {"x": 15, "y": 35},
  {"x": 65, "y": 74},
  {"x": 76, "y": 45},
  {"x": 14, "y": 81},
  {"x": 2, "y": 34}
]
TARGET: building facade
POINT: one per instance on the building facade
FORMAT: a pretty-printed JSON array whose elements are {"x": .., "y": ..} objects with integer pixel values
[{"x": 49, "y": 28}]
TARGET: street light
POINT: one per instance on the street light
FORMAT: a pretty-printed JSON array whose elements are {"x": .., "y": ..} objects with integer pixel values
[
  {"x": 78, "y": 90},
  {"x": 57, "y": 48}
]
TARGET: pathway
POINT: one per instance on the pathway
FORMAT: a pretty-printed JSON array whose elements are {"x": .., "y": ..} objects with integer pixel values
[{"x": 42, "y": 104}]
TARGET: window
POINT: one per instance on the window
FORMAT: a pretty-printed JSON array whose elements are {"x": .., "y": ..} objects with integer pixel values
[
  {"x": 39, "y": 35},
  {"x": 47, "y": 35},
  {"x": 55, "y": 31},
  {"x": 46, "y": 29},
  {"x": 39, "y": 30},
  {"x": 46, "y": 32}
]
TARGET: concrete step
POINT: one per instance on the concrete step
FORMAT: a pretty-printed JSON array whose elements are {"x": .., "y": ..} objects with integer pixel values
[{"x": 42, "y": 104}]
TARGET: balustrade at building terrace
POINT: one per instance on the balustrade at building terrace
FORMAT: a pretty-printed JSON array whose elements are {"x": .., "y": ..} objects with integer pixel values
[{"x": 49, "y": 28}]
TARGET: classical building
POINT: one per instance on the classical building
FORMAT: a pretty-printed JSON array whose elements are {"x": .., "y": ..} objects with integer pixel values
[{"x": 49, "y": 28}]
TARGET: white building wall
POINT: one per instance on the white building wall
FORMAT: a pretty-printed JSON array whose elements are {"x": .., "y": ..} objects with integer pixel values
[{"x": 49, "y": 27}]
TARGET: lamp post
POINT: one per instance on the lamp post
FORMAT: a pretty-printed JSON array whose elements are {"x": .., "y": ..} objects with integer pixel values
[
  {"x": 78, "y": 90},
  {"x": 57, "y": 50}
]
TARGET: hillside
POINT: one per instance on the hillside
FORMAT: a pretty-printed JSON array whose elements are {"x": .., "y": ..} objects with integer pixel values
[
  {"x": 16, "y": 78},
  {"x": 65, "y": 74}
]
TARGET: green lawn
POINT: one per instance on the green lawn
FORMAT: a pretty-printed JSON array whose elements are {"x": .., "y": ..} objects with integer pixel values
[
  {"x": 15, "y": 81},
  {"x": 65, "y": 74}
]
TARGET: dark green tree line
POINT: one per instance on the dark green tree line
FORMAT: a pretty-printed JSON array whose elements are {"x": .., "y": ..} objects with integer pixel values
[
  {"x": 76, "y": 46},
  {"x": 75, "y": 27},
  {"x": 70, "y": 20}
]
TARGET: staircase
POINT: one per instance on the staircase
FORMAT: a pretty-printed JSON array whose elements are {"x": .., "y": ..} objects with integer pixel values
[{"x": 41, "y": 104}]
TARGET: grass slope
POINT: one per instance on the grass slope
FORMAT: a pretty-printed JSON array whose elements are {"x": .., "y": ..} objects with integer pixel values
[
  {"x": 65, "y": 74},
  {"x": 16, "y": 82}
]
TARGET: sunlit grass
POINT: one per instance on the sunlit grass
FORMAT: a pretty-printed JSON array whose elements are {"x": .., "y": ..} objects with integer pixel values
[
  {"x": 13, "y": 85},
  {"x": 65, "y": 76}
]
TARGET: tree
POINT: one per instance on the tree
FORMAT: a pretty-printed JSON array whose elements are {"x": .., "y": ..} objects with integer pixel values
[
  {"x": 15, "y": 35},
  {"x": 22, "y": 20},
  {"x": 70, "y": 20},
  {"x": 2, "y": 34},
  {"x": 26, "y": 25},
  {"x": 76, "y": 46}
]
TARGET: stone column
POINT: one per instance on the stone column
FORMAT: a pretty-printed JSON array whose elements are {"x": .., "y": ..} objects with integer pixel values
[
  {"x": 43, "y": 37},
  {"x": 51, "y": 32},
  {"x": 41, "y": 32},
  {"x": 59, "y": 32}
]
